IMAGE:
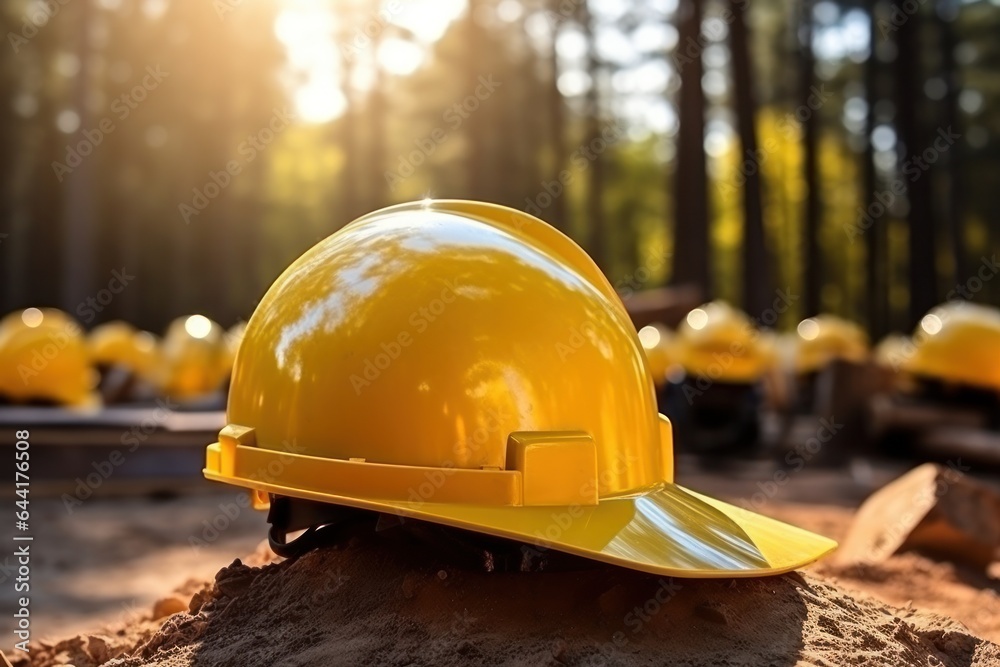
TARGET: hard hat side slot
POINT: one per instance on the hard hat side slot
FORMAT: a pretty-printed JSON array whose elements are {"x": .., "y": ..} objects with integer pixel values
[{"x": 557, "y": 467}]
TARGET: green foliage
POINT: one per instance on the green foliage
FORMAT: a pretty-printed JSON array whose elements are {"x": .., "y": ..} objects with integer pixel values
[{"x": 406, "y": 138}]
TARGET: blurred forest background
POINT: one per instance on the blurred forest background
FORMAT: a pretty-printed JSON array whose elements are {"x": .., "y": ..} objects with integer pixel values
[{"x": 845, "y": 153}]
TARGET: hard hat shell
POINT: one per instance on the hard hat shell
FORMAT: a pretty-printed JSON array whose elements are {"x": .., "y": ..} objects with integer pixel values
[
  {"x": 467, "y": 364},
  {"x": 43, "y": 357},
  {"x": 958, "y": 342},
  {"x": 826, "y": 338},
  {"x": 719, "y": 342},
  {"x": 119, "y": 343},
  {"x": 194, "y": 358}
]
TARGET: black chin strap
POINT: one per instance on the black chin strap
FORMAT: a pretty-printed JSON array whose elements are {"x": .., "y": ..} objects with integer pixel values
[
  {"x": 324, "y": 524},
  {"x": 327, "y": 524}
]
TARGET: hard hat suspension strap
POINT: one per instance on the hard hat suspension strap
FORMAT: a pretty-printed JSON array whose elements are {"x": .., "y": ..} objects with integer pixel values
[{"x": 324, "y": 524}]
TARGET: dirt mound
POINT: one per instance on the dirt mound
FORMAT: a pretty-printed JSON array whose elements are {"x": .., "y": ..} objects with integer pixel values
[
  {"x": 370, "y": 603},
  {"x": 912, "y": 580}
]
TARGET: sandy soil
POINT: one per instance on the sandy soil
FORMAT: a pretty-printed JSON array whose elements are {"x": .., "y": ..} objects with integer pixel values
[
  {"x": 373, "y": 602},
  {"x": 909, "y": 580},
  {"x": 370, "y": 602},
  {"x": 111, "y": 558}
]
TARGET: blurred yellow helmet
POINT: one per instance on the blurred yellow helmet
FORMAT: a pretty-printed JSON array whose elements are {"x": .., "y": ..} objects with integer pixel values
[
  {"x": 892, "y": 351},
  {"x": 195, "y": 357},
  {"x": 656, "y": 342},
  {"x": 959, "y": 343},
  {"x": 769, "y": 347},
  {"x": 234, "y": 336},
  {"x": 467, "y": 364},
  {"x": 120, "y": 344},
  {"x": 719, "y": 342},
  {"x": 827, "y": 338},
  {"x": 43, "y": 357}
]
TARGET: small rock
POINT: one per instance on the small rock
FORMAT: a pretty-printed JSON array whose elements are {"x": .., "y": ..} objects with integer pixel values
[
  {"x": 712, "y": 611},
  {"x": 199, "y": 599},
  {"x": 234, "y": 587},
  {"x": 168, "y": 606},
  {"x": 98, "y": 650},
  {"x": 234, "y": 580}
]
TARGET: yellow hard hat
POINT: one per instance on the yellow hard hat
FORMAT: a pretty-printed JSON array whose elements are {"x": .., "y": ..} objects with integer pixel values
[
  {"x": 656, "y": 342},
  {"x": 892, "y": 351},
  {"x": 467, "y": 364},
  {"x": 958, "y": 342},
  {"x": 719, "y": 342},
  {"x": 120, "y": 344},
  {"x": 194, "y": 359},
  {"x": 826, "y": 338},
  {"x": 769, "y": 348},
  {"x": 43, "y": 357}
]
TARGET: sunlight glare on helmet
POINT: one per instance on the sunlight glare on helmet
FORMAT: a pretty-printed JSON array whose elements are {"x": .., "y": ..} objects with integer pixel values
[
  {"x": 808, "y": 329},
  {"x": 198, "y": 326},
  {"x": 697, "y": 319},
  {"x": 32, "y": 317},
  {"x": 931, "y": 324},
  {"x": 649, "y": 336}
]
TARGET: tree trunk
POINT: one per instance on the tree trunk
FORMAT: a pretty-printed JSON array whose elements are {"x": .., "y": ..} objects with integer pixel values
[
  {"x": 45, "y": 223},
  {"x": 691, "y": 262},
  {"x": 475, "y": 127},
  {"x": 350, "y": 206},
  {"x": 378, "y": 190},
  {"x": 14, "y": 221},
  {"x": 596, "y": 146},
  {"x": 78, "y": 213},
  {"x": 876, "y": 260},
  {"x": 756, "y": 267},
  {"x": 812, "y": 259},
  {"x": 922, "y": 272},
  {"x": 947, "y": 12},
  {"x": 556, "y": 121}
]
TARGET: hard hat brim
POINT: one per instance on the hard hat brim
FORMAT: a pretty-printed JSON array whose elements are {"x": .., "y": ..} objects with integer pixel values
[{"x": 664, "y": 529}]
